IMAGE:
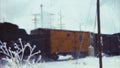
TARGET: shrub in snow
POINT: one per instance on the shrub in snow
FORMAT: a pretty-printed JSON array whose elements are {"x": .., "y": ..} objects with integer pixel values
[{"x": 15, "y": 58}]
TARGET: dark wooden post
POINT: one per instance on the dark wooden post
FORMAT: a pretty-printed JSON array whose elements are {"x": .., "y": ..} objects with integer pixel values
[{"x": 99, "y": 34}]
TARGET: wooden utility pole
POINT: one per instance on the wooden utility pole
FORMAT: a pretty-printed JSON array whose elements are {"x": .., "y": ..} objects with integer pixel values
[{"x": 99, "y": 34}]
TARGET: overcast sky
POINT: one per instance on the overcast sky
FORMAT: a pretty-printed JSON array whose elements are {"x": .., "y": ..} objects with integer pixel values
[{"x": 75, "y": 14}]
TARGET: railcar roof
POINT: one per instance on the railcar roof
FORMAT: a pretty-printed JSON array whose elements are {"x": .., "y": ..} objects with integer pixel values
[{"x": 59, "y": 30}]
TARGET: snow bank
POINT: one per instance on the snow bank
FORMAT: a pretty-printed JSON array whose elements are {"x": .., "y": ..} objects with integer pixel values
[
  {"x": 61, "y": 57},
  {"x": 16, "y": 60},
  {"x": 88, "y": 62}
]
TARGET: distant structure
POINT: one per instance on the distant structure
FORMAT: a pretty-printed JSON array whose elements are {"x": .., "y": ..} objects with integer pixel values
[
  {"x": 41, "y": 6},
  {"x": 60, "y": 20},
  {"x": 51, "y": 14},
  {"x": 2, "y": 19},
  {"x": 35, "y": 20},
  {"x": 40, "y": 16}
]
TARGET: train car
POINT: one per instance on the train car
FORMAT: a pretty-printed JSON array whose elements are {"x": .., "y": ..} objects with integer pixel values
[
  {"x": 115, "y": 44},
  {"x": 10, "y": 33},
  {"x": 54, "y": 42},
  {"x": 69, "y": 41},
  {"x": 110, "y": 44},
  {"x": 62, "y": 41}
]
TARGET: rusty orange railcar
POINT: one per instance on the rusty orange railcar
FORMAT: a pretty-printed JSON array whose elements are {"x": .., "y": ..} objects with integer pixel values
[
  {"x": 69, "y": 41},
  {"x": 64, "y": 41}
]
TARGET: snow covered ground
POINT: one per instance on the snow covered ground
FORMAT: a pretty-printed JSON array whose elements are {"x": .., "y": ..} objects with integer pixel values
[
  {"x": 17, "y": 60},
  {"x": 88, "y": 62}
]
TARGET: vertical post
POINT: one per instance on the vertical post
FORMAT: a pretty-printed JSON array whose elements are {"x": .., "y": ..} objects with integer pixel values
[
  {"x": 41, "y": 15},
  {"x": 60, "y": 20},
  {"x": 80, "y": 26},
  {"x": 35, "y": 20},
  {"x": 99, "y": 34},
  {"x": 51, "y": 20}
]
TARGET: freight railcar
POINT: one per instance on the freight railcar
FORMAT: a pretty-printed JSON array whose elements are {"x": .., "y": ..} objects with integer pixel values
[
  {"x": 54, "y": 42},
  {"x": 10, "y": 33},
  {"x": 110, "y": 44}
]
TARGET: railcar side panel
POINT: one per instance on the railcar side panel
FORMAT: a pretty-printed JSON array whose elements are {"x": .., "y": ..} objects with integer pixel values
[
  {"x": 69, "y": 41},
  {"x": 61, "y": 41}
]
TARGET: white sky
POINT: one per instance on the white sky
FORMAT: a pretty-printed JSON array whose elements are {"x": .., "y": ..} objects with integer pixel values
[{"x": 74, "y": 13}]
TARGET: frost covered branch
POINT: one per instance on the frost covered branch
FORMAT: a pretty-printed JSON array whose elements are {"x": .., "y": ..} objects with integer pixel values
[{"x": 17, "y": 55}]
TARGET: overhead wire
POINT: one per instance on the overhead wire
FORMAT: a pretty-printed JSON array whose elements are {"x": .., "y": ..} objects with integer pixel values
[
  {"x": 86, "y": 22},
  {"x": 83, "y": 34},
  {"x": 113, "y": 15},
  {"x": 88, "y": 16},
  {"x": 118, "y": 38}
]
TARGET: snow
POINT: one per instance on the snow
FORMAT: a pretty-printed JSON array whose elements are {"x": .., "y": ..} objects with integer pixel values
[
  {"x": 88, "y": 62},
  {"x": 63, "y": 62},
  {"x": 61, "y": 57}
]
